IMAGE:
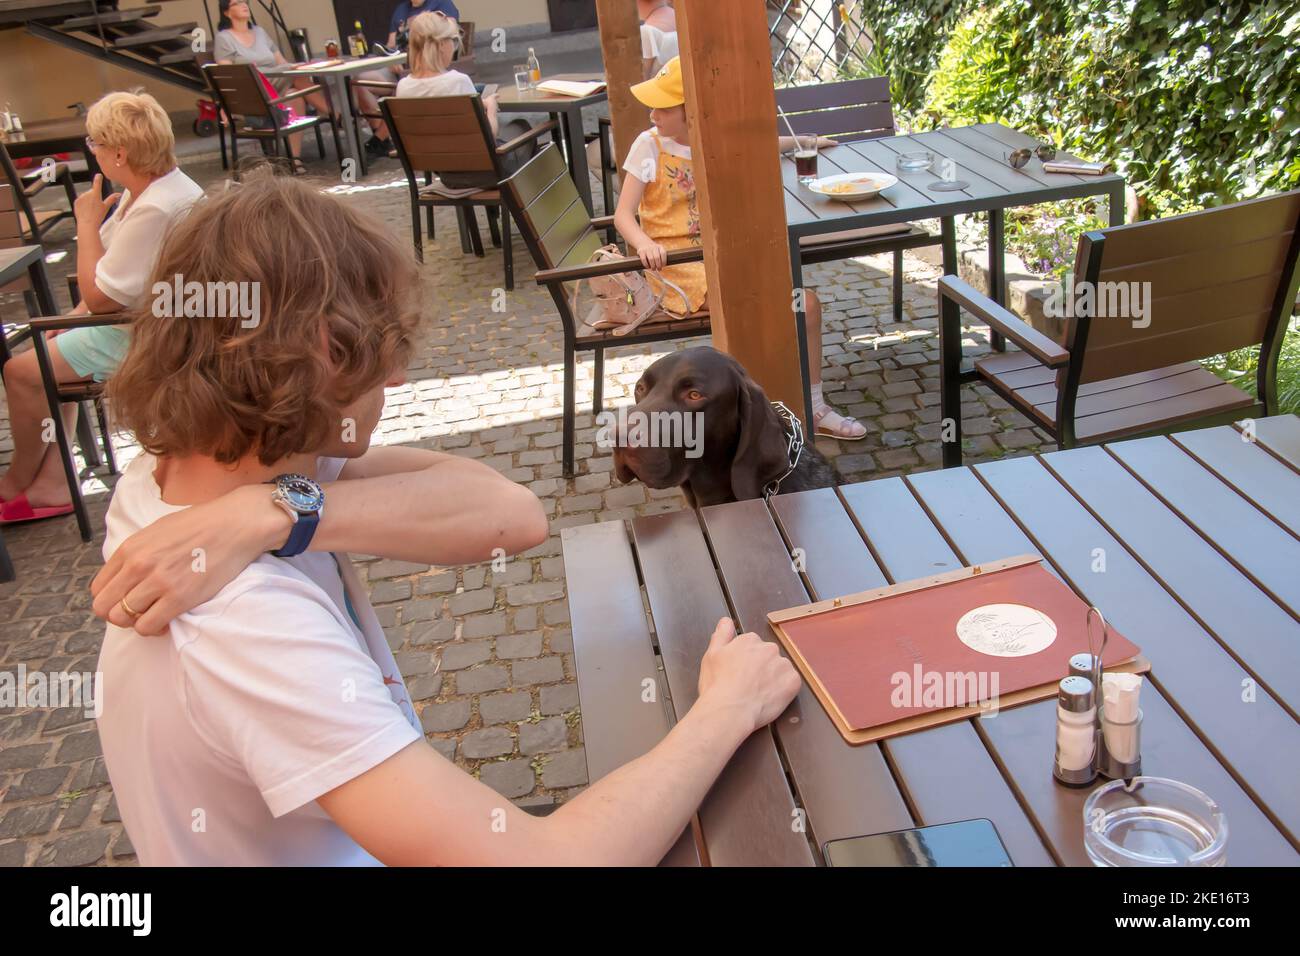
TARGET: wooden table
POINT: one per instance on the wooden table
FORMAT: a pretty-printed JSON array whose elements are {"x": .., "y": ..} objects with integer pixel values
[
  {"x": 970, "y": 154},
  {"x": 335, "y": 78},
  {"x": 567, "y": 111},
  {"x": 1200, "y": 537},
  {"x": 47, "y": 137}
]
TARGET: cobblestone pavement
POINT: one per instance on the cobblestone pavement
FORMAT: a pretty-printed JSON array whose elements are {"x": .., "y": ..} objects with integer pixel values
[{"x": 487, "y": 654}]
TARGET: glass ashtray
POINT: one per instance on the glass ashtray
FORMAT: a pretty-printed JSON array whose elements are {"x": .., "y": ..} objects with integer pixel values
[
  {"x": 915, "y": 162},
  {"x": 1153, "y": 821}
]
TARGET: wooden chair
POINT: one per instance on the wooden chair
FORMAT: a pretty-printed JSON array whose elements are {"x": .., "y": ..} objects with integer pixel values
[
  {"x": 11, "y": 236},
  {"x": 1214, "y": 280},
  {"x": 561, "y": 237},
  {"x": 242, "y": 96},
  {"x": 848, "y": 112},
  {"x": 437, "y": 135},
  {"x": 27, "y": 184}
]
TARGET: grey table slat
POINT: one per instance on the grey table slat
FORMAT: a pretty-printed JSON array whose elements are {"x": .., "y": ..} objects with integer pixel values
[
  {"x": 1265, "y": 553},
  {"x": 981, "y": 531},
  {"x": 1188, "y": 665},
  {"x": 829, "y": 775},
  {"x": 746, "y": 817},
  {"x": 947, "y": 771},
  {"x": 1264, "y": 481},
  {"x": 1280, "y": 436}
]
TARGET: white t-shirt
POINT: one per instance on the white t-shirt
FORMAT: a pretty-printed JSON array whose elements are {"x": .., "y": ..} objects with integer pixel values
[
  {"x": 220, "y": 737},
  {"x": 657, "y": 45},
  {"x": 643, "y": 158},
  {"x": 451, "y": 83},
  {"x": 132, "y": 240}
]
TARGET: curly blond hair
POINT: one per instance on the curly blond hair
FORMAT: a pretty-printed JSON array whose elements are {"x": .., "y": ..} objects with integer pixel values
[{"x": 337, "y": 311}]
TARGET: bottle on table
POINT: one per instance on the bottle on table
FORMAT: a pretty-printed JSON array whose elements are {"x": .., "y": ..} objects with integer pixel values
[
  {"x": 534, "y": 69},
  {"x": 357, "y": 42}
]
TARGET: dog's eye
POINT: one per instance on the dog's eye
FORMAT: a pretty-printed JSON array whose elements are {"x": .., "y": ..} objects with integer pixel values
[{"x": 695, "y": 395}]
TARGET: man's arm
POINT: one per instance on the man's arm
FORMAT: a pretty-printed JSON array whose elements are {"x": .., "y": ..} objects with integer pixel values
[
  {"x": 417, "y": 808},
  {"x": 411, "y": 504}
]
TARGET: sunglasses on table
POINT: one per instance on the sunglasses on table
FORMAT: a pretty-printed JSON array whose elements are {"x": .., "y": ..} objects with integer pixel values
[{"x": 1019, "y": 158}]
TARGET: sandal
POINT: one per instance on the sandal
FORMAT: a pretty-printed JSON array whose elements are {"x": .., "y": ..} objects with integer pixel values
[
  {"x": 19, "y": 510},
  {"x": 828, "y": 422},
  {"x": 299, "y": 167}
]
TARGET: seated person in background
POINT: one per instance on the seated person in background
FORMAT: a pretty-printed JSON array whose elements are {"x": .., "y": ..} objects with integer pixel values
[
  {"x": 657, "y": 212},
  {"x": 131, "y": 137},
  {"x": 404, "y": 12},
  {"x": 433, "y": 40},
  {"x": 239, "y": 40},
  {"x": 275, "y": 704},
  {"x": 658, "y": 14}
]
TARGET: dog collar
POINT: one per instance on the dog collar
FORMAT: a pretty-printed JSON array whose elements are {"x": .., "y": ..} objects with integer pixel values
[{"x": 794, "y": 446}]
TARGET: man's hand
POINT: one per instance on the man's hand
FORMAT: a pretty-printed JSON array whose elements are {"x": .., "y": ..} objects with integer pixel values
[
  {"x": 652, "y": 255},
  {"x": 746, "y": 674},
  {"x": 185, "y": 558},
  {"x": 91, "y": 206}
]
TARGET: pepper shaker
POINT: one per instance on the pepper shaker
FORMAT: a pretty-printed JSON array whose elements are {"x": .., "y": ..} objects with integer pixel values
[{"x": 1076, "y": 732}]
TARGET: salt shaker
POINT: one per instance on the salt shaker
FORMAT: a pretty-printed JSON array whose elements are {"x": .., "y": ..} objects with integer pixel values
[{"x": 1076, "y": 732}]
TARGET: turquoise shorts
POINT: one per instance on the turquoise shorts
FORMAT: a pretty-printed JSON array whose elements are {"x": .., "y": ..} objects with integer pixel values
[{"x": 94, "y": 352}]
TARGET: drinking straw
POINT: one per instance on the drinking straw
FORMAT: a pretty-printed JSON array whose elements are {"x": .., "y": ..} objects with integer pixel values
[{"x": 789, "y": 127}]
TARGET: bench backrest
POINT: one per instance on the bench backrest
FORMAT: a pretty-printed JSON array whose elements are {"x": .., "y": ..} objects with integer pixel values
[
  {"x": 848, "y": 111},
  {"x": 1186, "y": 287},
  {"x": 551, "y": 215},
  {"x": 441, "y": 134}
]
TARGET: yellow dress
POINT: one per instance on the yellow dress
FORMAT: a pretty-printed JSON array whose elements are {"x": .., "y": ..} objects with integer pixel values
[{"x": 669, "y": 215}]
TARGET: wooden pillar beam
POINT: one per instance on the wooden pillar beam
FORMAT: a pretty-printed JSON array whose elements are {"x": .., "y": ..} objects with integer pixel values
[
  {"x": 620, "y": 44},
  {"x": 731, "y": 110}
]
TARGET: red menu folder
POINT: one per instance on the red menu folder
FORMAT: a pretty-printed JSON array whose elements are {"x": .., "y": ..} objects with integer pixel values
[{"x": 938, "y": 649}]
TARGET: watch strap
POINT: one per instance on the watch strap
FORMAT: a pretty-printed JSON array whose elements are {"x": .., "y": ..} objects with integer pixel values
[{"x": 300, "y": 535}]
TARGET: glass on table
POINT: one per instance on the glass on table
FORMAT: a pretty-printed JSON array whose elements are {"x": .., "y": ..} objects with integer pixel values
[
  {"x": 805, "y": 158},
  {"x": 915, "y": 161},
  {"x": 523, "y": 77}
]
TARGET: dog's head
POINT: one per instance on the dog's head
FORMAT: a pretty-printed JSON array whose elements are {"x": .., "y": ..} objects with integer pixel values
[{"x": 733, "y": 440}]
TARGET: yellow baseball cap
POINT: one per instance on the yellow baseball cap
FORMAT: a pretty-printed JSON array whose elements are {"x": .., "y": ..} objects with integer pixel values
[{"x": 664, "y": 89}]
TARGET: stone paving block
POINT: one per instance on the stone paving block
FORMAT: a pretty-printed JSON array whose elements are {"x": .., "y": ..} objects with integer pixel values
[
  {"x": 505, "y": 708},
  {"x": 565, "y": 769},
  {"x": 545, "y": 736},
  {"x": 451, "y": 715},
  {"x": 510, "y": 778}
]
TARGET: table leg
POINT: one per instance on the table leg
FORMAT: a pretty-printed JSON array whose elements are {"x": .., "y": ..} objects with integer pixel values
[
  {"x": 571, "y": 124},
  {"x": 41, "y": 287},
  {"x": 948, "y": 230},
  {"x": 342, "y": 103},
  {"x": 997, "y": 271},
  {"x": 801, "y": 334},
  {"x": 1117, "y": 205}
]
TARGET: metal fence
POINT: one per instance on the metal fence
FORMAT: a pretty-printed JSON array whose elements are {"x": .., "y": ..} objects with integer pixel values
[{"x": 818, "y": 40}]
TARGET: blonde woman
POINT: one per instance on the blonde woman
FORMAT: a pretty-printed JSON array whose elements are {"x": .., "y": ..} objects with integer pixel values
[
  {"x": 131, "y": 137},
  {"x": 434, "y": 38}
]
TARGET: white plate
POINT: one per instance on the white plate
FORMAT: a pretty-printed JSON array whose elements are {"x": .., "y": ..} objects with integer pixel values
[{"x": 865, "y": 185}]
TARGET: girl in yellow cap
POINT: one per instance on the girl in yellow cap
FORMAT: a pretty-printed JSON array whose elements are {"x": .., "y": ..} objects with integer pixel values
[{"x": 657, "y": 213}]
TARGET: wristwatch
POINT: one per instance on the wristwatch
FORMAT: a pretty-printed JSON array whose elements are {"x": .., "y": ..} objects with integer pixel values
[{"x": 303, "y": 500}]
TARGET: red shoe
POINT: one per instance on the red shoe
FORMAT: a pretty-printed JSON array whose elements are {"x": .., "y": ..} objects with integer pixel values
[{"x": 19, "y": 510}]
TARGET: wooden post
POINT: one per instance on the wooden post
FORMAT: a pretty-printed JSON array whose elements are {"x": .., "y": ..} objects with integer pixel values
[
  {"x": 731, "y": 109},
  {"x": 620, "y": 44}
]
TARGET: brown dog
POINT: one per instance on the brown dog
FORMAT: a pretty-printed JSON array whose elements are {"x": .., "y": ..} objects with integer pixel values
[{"x": 731, "y": 450}]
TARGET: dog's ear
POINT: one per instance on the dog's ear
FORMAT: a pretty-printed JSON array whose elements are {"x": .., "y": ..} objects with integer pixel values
[{"x": 762, "y": 452}]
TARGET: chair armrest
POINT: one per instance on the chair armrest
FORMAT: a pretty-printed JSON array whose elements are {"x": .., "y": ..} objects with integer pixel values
[
  {"x": 522, "y": 138},
  {"x": 1001, "y": 320},
  {"x": 388, "y": 88},
  {"x": 60, "y": 322},
  {"x": 296, "y": 94},
  {"x": 602, "y": 222},
  {"x": 614, "y": 267}
]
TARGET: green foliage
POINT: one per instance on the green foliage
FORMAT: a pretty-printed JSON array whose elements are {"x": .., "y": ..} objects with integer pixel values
[
  {"x": 1239, "y": 367},
  {"x": 1195, "y": 102}
]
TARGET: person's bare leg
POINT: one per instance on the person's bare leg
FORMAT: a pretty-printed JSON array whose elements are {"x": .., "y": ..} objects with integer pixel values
[
  {"x": 29, "y": 417},
  {"x": 295, "y": 145},
  {"x": 50, "y": 489},
  {"x": 826, "y": 420},
  {"x": 369, "y": 104},
  {"x": 317, "y": 99}
]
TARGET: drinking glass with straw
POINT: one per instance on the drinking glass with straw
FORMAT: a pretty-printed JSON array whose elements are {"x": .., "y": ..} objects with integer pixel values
[{"x": 805, "y": 152}]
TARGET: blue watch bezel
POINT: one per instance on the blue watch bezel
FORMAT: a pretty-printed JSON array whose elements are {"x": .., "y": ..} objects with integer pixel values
[{"x": 305, "y": 521}]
